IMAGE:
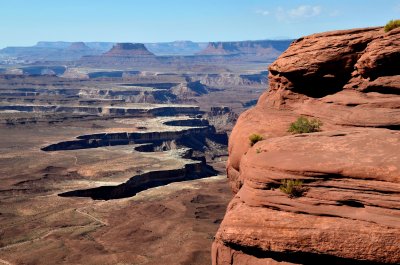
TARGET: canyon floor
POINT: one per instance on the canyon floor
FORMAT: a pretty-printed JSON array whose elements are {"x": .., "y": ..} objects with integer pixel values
[
  {"x": 113, "y": 170},
  {"x": 40, "y": 227},
  {"x": 172, "y": 224}
]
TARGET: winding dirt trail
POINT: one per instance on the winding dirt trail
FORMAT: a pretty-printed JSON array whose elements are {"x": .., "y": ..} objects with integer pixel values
[
  {"x": 31, "y": 240},
  {"x": 91, "y": 217}
]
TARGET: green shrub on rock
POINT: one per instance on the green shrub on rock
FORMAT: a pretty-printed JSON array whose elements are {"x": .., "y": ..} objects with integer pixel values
[
  {"x": 254, "y": 138},
  {"x": 392, "y": 24},
  {"x": 292, "y": 187},
  {"x": 304, "y": 125}
]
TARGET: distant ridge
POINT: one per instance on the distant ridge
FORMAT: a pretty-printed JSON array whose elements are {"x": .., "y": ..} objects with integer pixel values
[
  {"x": 95, "y": 45},
  {"x": 167, "y": 52},
  {"x": 184, "y": 47},
  {"x": 78, "y": 46},
  {"x": 260, "y": 47}
]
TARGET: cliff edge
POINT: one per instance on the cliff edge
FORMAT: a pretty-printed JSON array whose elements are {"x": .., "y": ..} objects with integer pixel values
[{"x": 349, "y": 209}]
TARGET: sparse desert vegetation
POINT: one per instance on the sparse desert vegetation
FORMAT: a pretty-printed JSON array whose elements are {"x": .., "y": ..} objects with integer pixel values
[
  {"x": 292, "y": 187},
  {"x": 254, "y": 138},
  {"x": 392, "y": 24},
  {"x": 305, "y": 125}
]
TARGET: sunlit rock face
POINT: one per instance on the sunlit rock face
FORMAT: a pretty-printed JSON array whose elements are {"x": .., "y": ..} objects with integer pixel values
[{"x": 349, "y": 210}]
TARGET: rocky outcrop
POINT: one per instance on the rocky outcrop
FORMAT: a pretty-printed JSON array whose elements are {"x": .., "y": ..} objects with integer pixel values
[
  {"x": 348, "y": 211},
  {"x": 222, "y": 118},
  {"x": 128, "y": 50},
  {"x": 190, "y": 89}
]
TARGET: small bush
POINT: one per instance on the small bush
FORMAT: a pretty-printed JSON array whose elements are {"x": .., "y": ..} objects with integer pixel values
[
  {"x": 304, "y": 125},
  {"x": 254, "y": 138},
  {"x": 293, "y": 188},
  {"x": 392, "y": 24}
]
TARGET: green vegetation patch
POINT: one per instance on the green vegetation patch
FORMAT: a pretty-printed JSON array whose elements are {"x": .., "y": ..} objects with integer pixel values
[
  {"x": 254, "y": 138},
  {"x": 392, "y": 24},
  {"x": 304, "y": 125},
  {"x": 292, "y": 187}
]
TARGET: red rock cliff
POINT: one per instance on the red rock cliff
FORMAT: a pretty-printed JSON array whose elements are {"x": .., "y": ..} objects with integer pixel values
[{"x": 350, "y": 211}]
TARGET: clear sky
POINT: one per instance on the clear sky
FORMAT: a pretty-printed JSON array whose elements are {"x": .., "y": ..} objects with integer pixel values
[{"x": 24, "y": 22}]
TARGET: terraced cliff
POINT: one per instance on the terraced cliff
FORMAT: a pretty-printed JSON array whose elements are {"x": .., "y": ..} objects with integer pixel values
[{"x": 349, "y": 209}]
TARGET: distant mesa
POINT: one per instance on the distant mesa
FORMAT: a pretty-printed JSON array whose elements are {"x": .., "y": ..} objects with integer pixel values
[
  {"x": 78, "y": 46},
  {"x": 183, "y": 43},
  {"x": 129, "y": 50},
  {"x": 179, "y": 48},
  {"x": 167, "y": 53},
  {"x": 52, "y": 44},
  {"x": 122, "y": 54},
  {"x": 220, "y": 48},
  {"x": 261, "y": 47}
]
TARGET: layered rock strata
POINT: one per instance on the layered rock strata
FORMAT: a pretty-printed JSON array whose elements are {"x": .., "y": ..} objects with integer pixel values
[{"x": 349, "y": 209}]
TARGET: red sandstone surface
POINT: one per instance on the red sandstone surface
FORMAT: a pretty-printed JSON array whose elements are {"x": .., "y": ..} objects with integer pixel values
[{"x": 350, "y": 210}]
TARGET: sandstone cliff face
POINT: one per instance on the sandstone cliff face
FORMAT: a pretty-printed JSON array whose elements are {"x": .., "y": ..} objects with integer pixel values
[{"x": 350, "y": 211}]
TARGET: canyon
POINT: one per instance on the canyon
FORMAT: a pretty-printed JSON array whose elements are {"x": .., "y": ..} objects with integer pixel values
[
  {"x": 140, "y": 153},
  {"x": 68, "y": 169},
  {"x": 116, "y": 149}
]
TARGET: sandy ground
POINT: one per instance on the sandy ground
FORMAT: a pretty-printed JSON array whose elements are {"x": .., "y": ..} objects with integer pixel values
[{"x": 173, "y": 224}]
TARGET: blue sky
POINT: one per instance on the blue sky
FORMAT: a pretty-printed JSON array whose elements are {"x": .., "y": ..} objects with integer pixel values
[{"x": 24, "y": 22}]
